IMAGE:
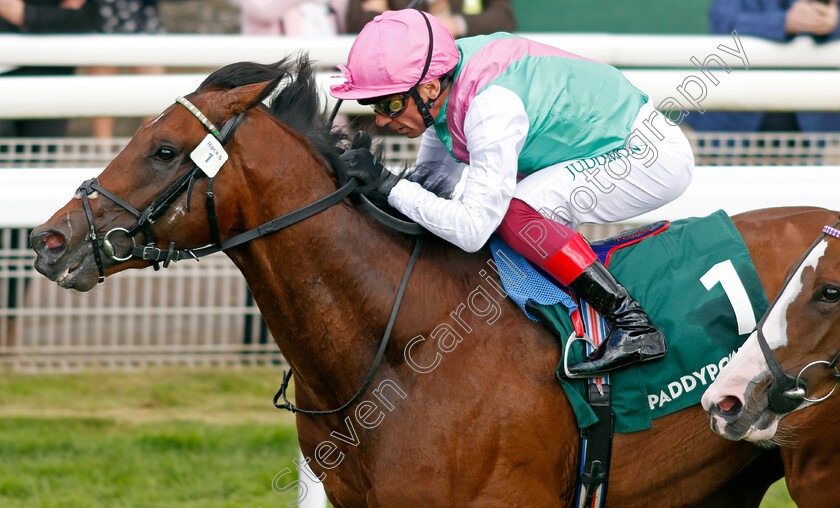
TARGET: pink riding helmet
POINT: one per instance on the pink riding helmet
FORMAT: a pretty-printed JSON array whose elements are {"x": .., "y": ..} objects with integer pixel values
[{"x": 389, "y": 55}]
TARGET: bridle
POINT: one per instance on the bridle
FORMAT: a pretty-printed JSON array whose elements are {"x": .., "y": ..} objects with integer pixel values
[
  {"x": 787, "y": 392},
  {"x": 150, "y": 252},
  {"x": 158, "y": 207}
]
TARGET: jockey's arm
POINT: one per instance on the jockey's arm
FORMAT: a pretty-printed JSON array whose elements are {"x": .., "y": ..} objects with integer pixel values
[
  {"x": 495, "y": 127},
  {"x": 433, "y": 151}
]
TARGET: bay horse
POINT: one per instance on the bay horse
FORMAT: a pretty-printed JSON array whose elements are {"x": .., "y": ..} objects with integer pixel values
[
  {"x": 470, "y": 419},
  {"x": 788, "y": 364}
]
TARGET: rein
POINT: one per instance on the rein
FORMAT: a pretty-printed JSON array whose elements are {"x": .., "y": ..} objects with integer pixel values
[
  {"x": 147, "y": 217},
  {"x": 787, "y": 392},
  {"x": 150, "y": 252},
  {"x": 379, "y": 354}
]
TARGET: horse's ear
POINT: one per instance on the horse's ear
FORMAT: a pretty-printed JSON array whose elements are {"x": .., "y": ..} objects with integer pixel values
[{"x": 245, "y": 96}]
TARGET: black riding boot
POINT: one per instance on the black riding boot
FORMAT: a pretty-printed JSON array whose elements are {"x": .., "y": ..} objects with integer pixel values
[{"x": 633, "y": 337}]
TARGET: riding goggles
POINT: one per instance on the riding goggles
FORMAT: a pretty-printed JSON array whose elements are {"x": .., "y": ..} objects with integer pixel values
[{"x": 391, "y": 107}]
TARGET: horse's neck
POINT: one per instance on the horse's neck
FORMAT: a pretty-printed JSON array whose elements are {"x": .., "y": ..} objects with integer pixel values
[
  {"x": 323, "y": 297},
  {"x": 325, "y": 286}
]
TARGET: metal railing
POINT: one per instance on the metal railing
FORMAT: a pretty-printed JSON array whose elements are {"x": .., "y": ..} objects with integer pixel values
[
  {"x": 190, "y": 314},
  {"x": 710, "y": 149}
]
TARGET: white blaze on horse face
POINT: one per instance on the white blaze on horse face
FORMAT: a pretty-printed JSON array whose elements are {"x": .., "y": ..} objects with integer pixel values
[
  {"x": 775, "y": 324},
  {"x": 69, "y": 224},
  {"x": 748, "y": 365}
]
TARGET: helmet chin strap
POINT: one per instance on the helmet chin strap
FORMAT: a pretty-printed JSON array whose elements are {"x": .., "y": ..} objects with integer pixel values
[{"x": 424, "y": 107}]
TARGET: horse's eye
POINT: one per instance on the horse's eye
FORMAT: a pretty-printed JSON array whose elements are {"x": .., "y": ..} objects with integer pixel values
[
  {"x": 165, "y": 153},
  {"x": 830, "y": 294}
]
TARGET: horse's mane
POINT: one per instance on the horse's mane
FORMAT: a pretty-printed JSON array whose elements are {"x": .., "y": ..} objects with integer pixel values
[{"x": 297, "y": 103}]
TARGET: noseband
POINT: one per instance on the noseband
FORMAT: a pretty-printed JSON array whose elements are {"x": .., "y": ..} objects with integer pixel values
[{"x": 787, "y": 392}]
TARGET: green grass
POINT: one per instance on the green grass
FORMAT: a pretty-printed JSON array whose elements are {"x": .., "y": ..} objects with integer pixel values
[
  {"x": 168, "y": 393},
  {"x": 157, "y": 438},
  {"x": 777, "y": 497},
  {"x": 96, "y": 462},
  {"x": 162, "y": 438}
]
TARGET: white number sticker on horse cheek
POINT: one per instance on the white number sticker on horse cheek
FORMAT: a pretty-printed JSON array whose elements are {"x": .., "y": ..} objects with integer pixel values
[
  {"x": 724, "y": 272},
  {"x": 209, "y": 155}
]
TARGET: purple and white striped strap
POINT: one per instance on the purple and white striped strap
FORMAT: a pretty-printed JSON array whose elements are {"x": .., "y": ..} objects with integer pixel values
[{"x": 831, "y": 231}]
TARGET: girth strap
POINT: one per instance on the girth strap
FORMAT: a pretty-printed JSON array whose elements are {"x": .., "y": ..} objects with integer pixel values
[{"x": 596, "y": 448}]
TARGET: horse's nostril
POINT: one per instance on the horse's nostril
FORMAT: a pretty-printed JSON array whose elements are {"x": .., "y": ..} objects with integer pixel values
[
  {"x": 729, "y": 406},
  {"x": 54, "y": 241}
]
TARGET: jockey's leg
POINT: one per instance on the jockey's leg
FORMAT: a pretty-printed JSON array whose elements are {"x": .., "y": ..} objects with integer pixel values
[
  {"x": 568, "y": 258},
  {"x": 653, "y": 168}
]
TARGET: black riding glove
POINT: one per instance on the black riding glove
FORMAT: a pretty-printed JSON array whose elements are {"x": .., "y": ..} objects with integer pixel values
[{"x": 361, "y": 164}]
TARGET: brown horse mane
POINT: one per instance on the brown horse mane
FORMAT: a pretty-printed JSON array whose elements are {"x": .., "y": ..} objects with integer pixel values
[{"x": 297, "y": 104}]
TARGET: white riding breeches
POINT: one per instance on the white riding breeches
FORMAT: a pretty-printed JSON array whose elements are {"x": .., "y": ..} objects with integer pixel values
[{"x": 653, "y": 168}]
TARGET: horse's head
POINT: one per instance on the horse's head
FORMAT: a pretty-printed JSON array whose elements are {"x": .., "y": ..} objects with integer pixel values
[
  {"x": 788, "y": 362},
  {"x": 153, "y": 204}
]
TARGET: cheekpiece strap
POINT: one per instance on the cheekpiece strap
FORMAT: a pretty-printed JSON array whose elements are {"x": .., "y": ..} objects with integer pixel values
[{"x": 198, "y": 114}]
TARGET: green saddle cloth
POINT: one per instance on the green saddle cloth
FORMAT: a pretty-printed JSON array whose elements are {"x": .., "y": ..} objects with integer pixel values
[{"x": 666, "y": 273}]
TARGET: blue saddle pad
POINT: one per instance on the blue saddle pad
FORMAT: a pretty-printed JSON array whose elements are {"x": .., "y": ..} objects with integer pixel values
[{"x": 525, "y": 282}]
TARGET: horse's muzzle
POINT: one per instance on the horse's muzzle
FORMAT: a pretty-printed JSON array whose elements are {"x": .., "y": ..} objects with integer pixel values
[{"x": 60, "y": 260}]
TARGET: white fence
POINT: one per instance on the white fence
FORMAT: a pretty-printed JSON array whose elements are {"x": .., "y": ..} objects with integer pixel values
[
  {"x": 621, "y": 50},
  {"x": 148, "y": 95},
  {"x": 666, "y": 67}
]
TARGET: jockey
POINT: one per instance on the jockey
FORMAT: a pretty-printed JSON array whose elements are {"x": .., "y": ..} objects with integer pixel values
[{"x": 522, "y": 138}]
